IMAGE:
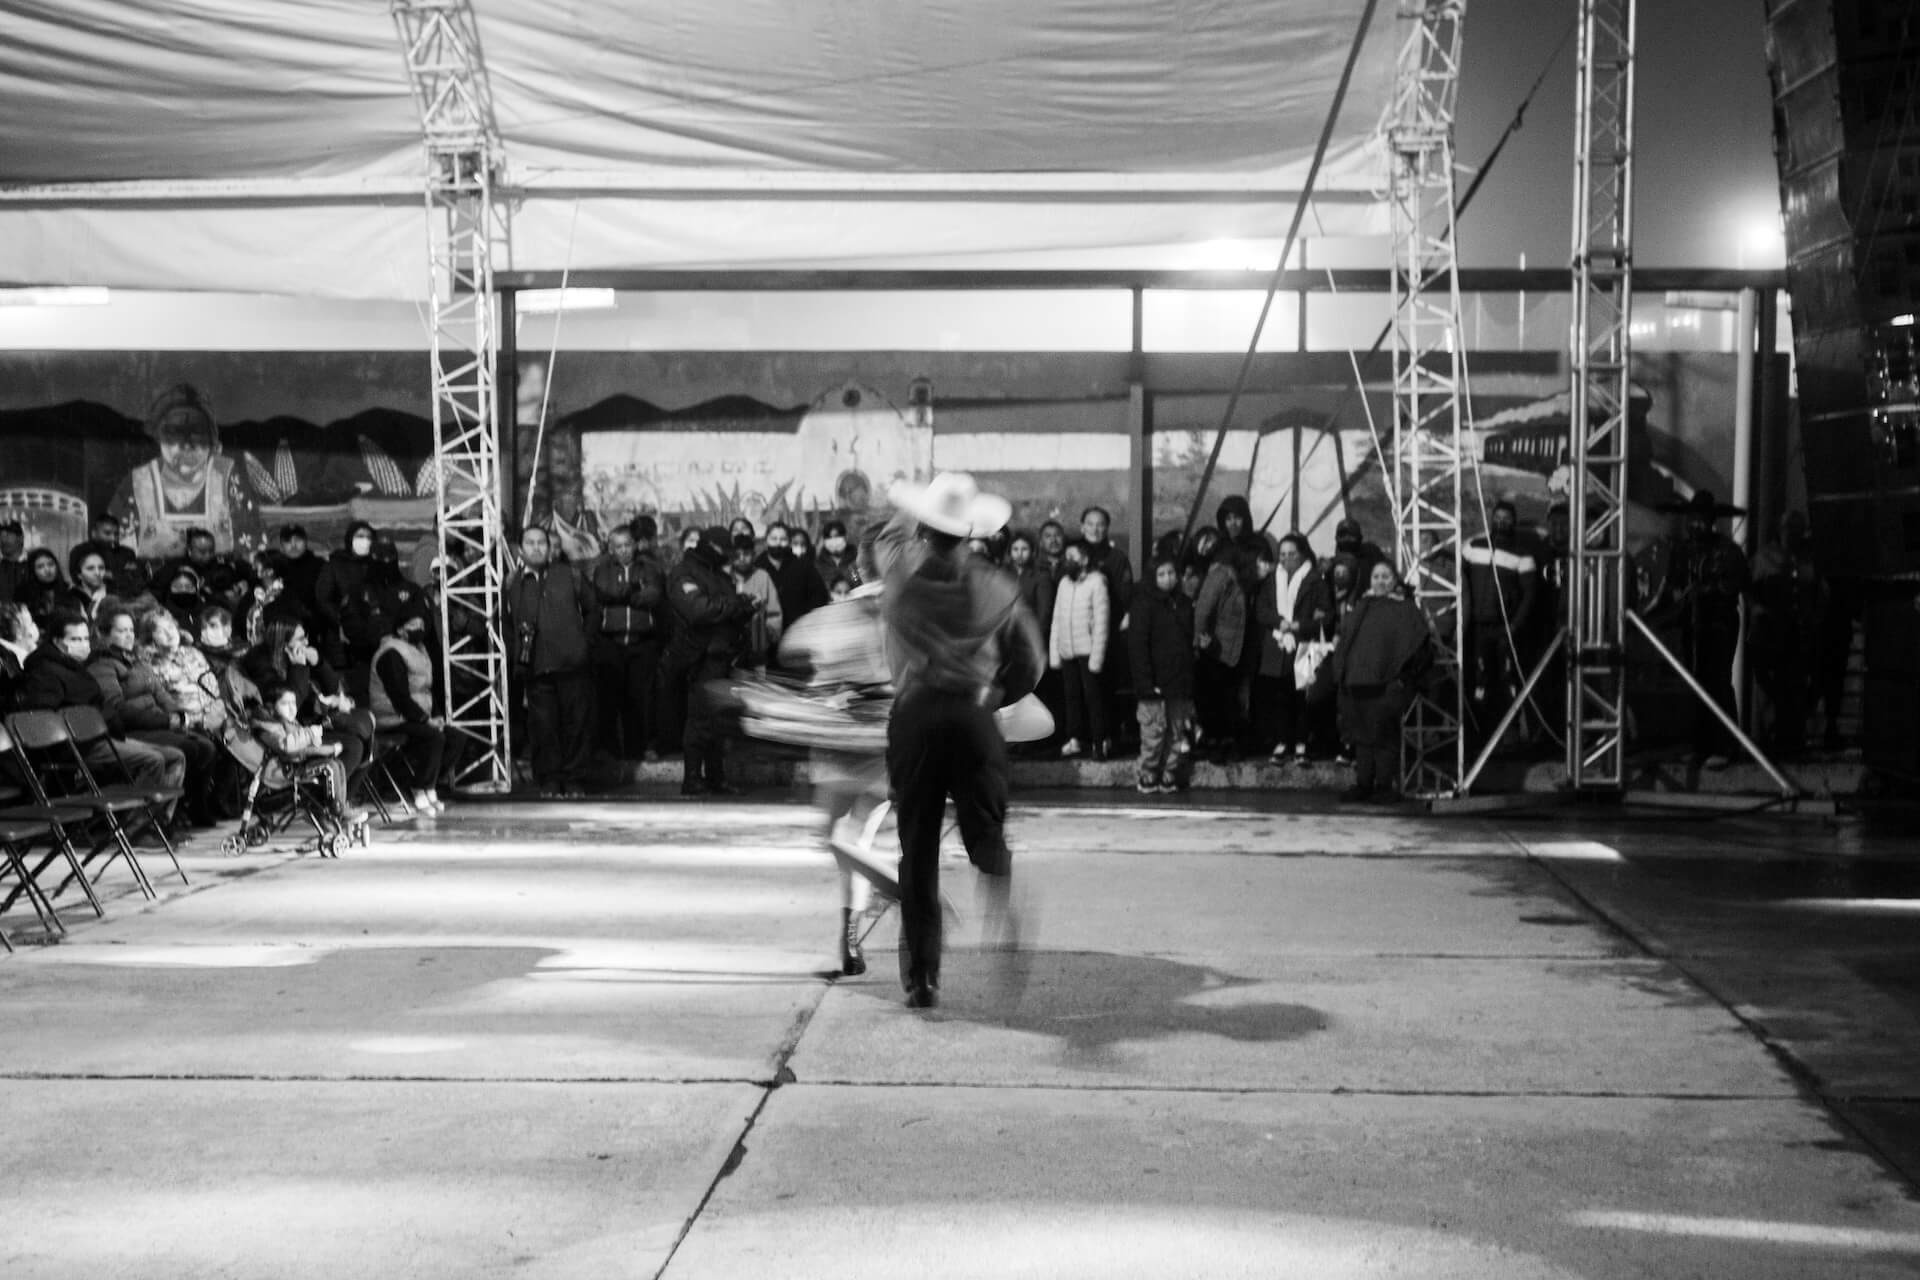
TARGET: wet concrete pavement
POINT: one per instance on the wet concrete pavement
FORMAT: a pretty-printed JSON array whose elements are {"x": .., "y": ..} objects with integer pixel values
[{"x": 602, "y": 1040}]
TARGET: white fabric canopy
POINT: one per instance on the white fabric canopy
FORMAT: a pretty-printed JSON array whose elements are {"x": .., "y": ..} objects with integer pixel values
[{"x": 274, "y": 145}]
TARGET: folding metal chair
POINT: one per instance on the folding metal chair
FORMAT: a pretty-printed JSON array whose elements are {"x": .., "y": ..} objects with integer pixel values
[
  {"x": 59, "y": 774},
  {"x": 40, "y": 829},
  {"x": 14, "y": 836}
]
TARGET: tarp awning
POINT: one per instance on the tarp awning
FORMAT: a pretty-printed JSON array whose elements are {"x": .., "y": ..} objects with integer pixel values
[{"x": 273, "y": 144}]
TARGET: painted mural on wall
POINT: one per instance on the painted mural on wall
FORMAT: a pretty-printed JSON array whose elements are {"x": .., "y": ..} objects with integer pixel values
[{"x": 243, "y": 442}]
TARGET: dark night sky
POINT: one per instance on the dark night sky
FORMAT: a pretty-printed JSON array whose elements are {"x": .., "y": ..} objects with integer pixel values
[{"x": 1703, "y": 156}]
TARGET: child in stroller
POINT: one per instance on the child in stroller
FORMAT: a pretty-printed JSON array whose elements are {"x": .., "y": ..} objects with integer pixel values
[{"x": 300, "y": 776}]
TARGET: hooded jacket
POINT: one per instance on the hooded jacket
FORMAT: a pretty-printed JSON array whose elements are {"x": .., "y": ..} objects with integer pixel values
[
  {"x": 708, "y": 613},
  {"x": 1220, "y": 611}
]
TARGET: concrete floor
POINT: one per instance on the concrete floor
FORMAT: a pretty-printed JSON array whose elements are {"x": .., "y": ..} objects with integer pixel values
[{"x": 602, "y": 1040}]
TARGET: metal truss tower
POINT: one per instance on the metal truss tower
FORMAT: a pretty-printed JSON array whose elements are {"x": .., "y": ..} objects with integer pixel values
[
  {"x": 467, "y": 234},
  {"x": 1600, "y": 350},
  {"x": 1429, "y": 375}
]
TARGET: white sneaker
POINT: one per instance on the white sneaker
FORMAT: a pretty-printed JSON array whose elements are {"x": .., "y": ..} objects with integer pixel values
[
  {"x": 427, "y": 802},
  {"x": 1071, "y": 747}
]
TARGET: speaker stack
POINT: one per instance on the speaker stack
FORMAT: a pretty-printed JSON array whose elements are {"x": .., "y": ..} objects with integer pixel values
[{"x": 1846, "y": 93}]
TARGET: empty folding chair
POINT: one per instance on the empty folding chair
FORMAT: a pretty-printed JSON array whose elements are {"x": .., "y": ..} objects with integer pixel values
[
  {"x": 41, "y": 834},
  {"x": 57, "y": 772}
]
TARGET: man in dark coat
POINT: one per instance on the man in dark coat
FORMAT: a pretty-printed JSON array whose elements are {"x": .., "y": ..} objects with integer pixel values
[
  {"x": 710, "y": 620},
  {"x": 299, "y": 569},
  {"x": 56, "y": 677},
  {"x": 552, "y": 614},
  {"x": 1501, "y": 586},
  {"x": 631, "y": 589}
]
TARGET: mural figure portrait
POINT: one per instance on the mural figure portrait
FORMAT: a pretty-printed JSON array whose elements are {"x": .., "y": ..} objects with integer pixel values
[{"x": 191, "y": 484}]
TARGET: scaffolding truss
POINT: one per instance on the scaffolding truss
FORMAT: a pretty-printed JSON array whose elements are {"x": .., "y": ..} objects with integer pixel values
[
  {"x": 468, "y": 233},
  {"x": 1429, "y": 377},
  {"x": 1600, "y": 348}
]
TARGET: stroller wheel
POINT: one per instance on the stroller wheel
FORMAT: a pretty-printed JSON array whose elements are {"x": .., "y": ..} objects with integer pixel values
[
  {"x": 234, "y": 845},
  {"x": 362, "y": 834},
  {"x": 328, "y": 846},
  {"x": 255, "y": 834}
]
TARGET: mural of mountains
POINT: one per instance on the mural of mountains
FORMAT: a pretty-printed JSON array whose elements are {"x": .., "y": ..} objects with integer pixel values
[{"x": 724, "y": 413}]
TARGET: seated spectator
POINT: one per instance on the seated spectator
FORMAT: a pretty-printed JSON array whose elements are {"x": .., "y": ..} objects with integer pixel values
[
  {"x": 403, "y": 703},
  {"x": 224, "y": 579},
  {"x": 184, "y": 597},
  {"x": 13, "y": 560},
  {"x": 56, "y": 677},
  {"x": 43, "y": 589},
  {"x": 286, "y": 657},
  {"x": 18, "y": 636},
  {"x": 139, "y": 705}
]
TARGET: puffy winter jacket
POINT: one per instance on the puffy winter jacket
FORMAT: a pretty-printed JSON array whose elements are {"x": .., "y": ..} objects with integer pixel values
[
  {"x": 1081, "y": 618},
  {"x": 134, "y": 694},
  {"x": 1220, "y": 614},
  {"x": 1161, "y": 640}
]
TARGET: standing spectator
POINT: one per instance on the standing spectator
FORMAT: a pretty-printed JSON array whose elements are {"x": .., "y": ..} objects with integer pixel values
[
  {"x": 1077, "y": 648},
  {"x": 751, "y": 579},
  {"x": 794, "y": 579},
  {"x": 838, "y": 557},
  {"x": 126, "y": 576},
  {"x": 1351, "y": 540},
  {"x": 1037, "y": 586},
  {"x": 1297, "y": 611},
  {"x": 89, "y": 590},
  {"x": 1706, "y": 576},
  {"x": 13, "y": 561},
  {"x": 1789, "y": 594},
  {"x": 710, "y": 618},
  {"x": 1053, "y": 548},
  {"x": 340, "y": 595},
  {"x": 1161, "y": 644},
  {"x": 631, "y": 589},
  {"x": 1112, "y": 564},
  {"x": 801, "y": 544},
  {"x": 741, "y": 527},
  {"x": 1502, "y": 583},
  {"x": 56, "y": 677},
  {"x": 1384, "y": 650},
  {"x": 1219, "y": 640},
  {"x": 551, "y": 616},
  {"x": 299, "y": 570},
  {"x": 403, "y": 702}
]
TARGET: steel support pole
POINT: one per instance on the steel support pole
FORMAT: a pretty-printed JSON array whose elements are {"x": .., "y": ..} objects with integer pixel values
[
  {"x": 1429, "y": 376},
  {"x": 1600, "y": 355},
  {"x": 468, "y": 237}
]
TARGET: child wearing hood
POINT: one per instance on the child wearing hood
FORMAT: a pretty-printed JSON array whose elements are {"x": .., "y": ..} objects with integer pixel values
[{"x": 1161, "y": 643}]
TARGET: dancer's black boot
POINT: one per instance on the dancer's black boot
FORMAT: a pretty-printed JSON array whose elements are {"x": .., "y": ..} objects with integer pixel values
[{"x": 853, "y": 960}]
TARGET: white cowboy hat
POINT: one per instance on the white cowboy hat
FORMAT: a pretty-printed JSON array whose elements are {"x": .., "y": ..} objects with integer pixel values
[{"x": 952, "y": 503}]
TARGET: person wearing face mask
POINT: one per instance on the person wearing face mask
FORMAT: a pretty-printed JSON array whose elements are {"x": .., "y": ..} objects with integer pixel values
[
  {"x": 1077, "y": 648},
  {"x": 626, "y": 653},
  {"x": 838, "y": 557},
  {"x": 56, "y": 677},
  {"x": 1501, "y": 585},
  {"x": 340, "y": 592},
  {"x": 403, "y": 703},
  {"x": 1383, "y": 652},
  {"x": 795, "y": 579}
]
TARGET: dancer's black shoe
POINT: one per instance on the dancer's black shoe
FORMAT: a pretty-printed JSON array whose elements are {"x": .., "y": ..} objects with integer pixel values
[
  {"x": 853, "y": 961},
  {"x": 923, "y": 995}
]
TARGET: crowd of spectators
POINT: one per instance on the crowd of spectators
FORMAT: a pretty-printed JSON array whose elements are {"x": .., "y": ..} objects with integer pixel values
[{"x": 189, "y": 659}]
